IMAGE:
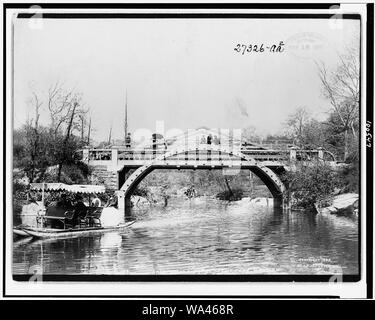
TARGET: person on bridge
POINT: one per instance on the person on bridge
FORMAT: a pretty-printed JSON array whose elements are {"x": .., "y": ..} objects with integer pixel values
[
  {"x": 128, "y": 140},
  {"x": 209, "y": 139},
  {"x": 216, "y": 140}
]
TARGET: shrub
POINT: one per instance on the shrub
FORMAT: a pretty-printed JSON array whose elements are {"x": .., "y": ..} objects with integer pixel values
[
  {"x": 19, "y": 196},
  {"x": 310, "y": 185},
  {"x": 141, "y": 191},
  {"x": 349, "y": 178},
  {"x": 232, "y": 195},
  {"x": 73, "y": 174}
]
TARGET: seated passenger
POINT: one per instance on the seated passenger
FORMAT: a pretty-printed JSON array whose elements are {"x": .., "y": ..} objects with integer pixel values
[
  {"x": 64, "y": 202},
  {"x": 80, "y": 207},
  {"x": 112, "y": 202},
  {"x": 96, "y": 202}
]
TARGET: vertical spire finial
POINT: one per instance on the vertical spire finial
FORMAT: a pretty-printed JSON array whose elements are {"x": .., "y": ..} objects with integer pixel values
[{"x": 126, "y": 116}]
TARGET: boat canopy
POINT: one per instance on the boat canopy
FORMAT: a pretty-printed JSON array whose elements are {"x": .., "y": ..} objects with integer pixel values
[{"x": 74, "y": 188}]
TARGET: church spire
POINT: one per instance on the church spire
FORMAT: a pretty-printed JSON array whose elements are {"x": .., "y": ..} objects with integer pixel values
[{"x": 126, "y": 117}]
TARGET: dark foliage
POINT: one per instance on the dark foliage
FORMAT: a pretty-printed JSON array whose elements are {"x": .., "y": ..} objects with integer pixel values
[
  {"x": 349, "y": 178},
  {"x": 230, "y": 195},
  {"x": 141, "y": 191},
  {"x": 38, "y": 152},
  {"x": 310, "y": 185}
]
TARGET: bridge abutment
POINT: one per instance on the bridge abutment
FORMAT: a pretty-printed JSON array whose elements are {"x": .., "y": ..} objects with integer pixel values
[
  {"x": 278, "y": 202},
  {"x": 124, "y": 203}
]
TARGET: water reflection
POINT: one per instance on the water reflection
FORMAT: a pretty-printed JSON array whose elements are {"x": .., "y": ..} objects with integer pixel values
[{"x": 204, "y": 236}]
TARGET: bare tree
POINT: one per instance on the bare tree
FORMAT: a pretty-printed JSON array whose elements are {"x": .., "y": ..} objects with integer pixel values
[
  {"x": 64, "y": 151},
  {"x": 32, "y": 135},
  {"x": 341, "y": 87},
  {"x": 67, "y": 115},
  {"x": 89, "y": 132},
  {"x": 296, "y": 123},
  {"x": 82, "y": 124},
  {"x": 61, "y": 103},
  {"x": 56, "y": 143},
  {"x": 250, "y": 134}
]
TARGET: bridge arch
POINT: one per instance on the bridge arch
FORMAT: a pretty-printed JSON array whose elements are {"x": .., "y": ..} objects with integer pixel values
[{"x": 267, "y": 175}]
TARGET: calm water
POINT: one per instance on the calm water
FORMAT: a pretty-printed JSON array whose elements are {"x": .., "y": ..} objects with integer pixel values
[{"x": 203, "y": 236}]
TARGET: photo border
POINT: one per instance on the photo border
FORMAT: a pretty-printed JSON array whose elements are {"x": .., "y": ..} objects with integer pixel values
[{"x": 215, "y": 278}]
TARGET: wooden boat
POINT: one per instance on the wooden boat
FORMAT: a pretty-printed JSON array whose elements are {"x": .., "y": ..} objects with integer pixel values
[
  {"x": 69, "y": 233},
  {"x": 22, "y": 241},
  {"x": 20, "y": 232},
  {"x": 65, "y": 219}
]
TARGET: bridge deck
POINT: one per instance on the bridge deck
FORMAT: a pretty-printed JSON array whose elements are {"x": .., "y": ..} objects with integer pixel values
[
  {"x": 199, "y": 158},
  {"x": 183, "y": 164}
]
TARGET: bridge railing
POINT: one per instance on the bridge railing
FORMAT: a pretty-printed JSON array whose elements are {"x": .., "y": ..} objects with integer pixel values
[{"x": 117, "y": 155}]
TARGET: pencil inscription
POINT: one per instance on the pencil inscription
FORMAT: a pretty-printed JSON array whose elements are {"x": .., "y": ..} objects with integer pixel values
[{"x": 259, "y": 48}]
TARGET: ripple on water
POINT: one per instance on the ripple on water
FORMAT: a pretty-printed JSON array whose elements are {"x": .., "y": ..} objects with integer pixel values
[{"x": 204, "y": 237}]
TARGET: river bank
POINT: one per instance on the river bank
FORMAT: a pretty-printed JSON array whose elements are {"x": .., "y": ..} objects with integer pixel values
[{"x": 342, "y": 204}]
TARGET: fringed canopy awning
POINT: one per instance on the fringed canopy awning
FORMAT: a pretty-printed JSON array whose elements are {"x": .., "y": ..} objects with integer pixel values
[{"x": 74, "y": 188}]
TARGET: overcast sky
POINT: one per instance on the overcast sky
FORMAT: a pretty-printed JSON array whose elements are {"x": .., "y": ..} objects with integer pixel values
[{"x": 184, "y": 72}]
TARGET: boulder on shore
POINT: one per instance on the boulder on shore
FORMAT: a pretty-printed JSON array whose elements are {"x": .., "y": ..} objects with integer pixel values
[
  {"x": 343, "y": 204},
  {"x": 138, "y": 201},
  {"x": 262, "y": 201}
]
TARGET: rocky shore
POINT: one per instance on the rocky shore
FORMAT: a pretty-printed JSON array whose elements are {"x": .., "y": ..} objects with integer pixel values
[{"x": 342, "y": 204}]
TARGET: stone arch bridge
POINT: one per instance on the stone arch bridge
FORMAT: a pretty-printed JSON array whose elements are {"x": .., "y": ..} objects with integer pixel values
[{"x": 268, "y": 164}]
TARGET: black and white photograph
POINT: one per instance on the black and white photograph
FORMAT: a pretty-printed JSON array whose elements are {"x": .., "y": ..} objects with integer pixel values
[{"x": 187, "y": 145}]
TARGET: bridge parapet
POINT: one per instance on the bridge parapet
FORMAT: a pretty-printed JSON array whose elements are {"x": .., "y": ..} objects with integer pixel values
[{"x": 120, "y": 156}]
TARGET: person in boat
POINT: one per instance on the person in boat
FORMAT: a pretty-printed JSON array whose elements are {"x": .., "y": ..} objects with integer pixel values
[
  {"x": 62, "y": 207},
  {"x": 64, "y": 202},
  {"x": 76, "y": 216},
  {"x": 31, "y": 197},
  {"x": 80, "y": 207},
  {"x": 112, "y": 202},
  {"x": 96, "y": 202}
]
